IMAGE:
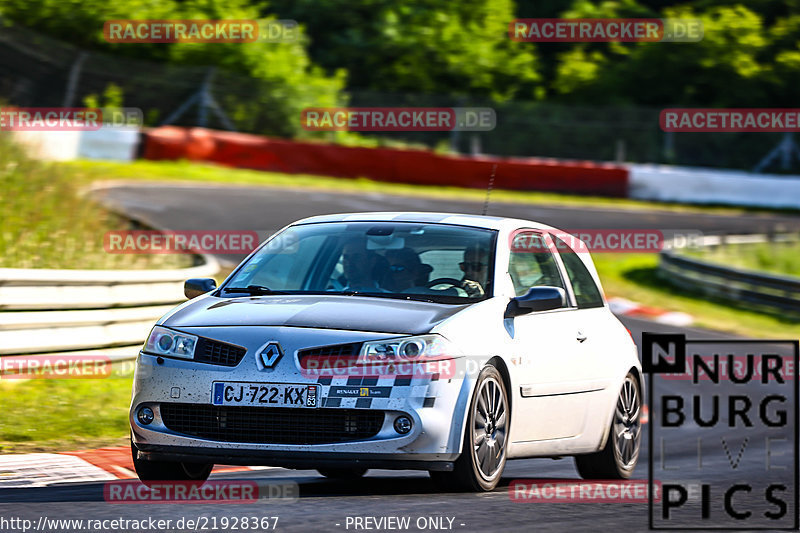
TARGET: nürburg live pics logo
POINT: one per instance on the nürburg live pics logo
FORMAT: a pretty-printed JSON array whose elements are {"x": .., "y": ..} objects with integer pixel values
[{"x": 723, "y": 433}]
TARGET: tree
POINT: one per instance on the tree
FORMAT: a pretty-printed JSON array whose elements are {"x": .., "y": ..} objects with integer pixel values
[
  {"x": 263, "y": 86},
  {"x": 725, "y": 68},
  {"x": 422, "y": 46}
]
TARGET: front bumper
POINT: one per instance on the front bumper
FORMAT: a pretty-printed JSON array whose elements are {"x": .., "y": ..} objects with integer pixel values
[
  {"x": 296, "y": 460},
  {"x": 436, "y": 407}
]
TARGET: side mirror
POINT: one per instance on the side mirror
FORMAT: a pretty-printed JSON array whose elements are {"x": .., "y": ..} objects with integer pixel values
[
  {"x": 542, "y": 298},
  {"x": 192, "y": 288}
]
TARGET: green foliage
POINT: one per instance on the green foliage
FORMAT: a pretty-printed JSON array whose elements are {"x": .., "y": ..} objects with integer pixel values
[
  {"x": 265, "y": 84},
  {"x": 453, "y": 48},
  {"x": 775, "y": 257},
  {"x": 749, "y": 56},
  {"x": 112, "y": 98},
  {"x": 48, "y": 222},
  {"x": 740, "y": 62}
]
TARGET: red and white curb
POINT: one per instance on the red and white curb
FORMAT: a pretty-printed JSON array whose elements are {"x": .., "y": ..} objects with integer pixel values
[
  {"x": 103, "y": 464},
  {"x": 623, "y": 307},
  {"x": 43, "y": 469}
]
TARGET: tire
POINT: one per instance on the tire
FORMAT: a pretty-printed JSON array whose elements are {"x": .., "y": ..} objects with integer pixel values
[
  {"x": 483, "y": 452},
  {"x": 619, "y": 456},
  {"x": 169, "y": 470},
  {"x": 342, "y": 473}
]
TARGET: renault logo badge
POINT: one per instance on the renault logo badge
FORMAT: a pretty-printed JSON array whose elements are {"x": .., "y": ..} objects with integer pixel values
[{"x": 271, "y": 353}]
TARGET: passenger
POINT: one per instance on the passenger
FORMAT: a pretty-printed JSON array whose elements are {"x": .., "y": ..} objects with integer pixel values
[{"x": 407, "y": 270}]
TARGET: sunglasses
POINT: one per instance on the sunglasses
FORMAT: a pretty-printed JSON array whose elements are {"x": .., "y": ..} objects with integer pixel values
[
  {"x": 470, "y": 265},
  {"x": 398, "y": 268}
]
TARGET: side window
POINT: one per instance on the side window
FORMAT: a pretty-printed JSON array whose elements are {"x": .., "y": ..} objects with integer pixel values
[
  {"x": 444, "y": 263},
  {"x": 586, "y": 292},
  {"x": 531, "y": 263}
]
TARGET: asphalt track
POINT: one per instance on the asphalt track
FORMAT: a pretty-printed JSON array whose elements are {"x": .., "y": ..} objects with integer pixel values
[
  {"x": 265, "y": 210},
  {"x": 325, "y": 505}
]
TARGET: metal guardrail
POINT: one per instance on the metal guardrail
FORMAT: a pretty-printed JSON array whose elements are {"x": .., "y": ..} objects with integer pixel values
[
  {"x": 764, "y": 291},
  {"x": 83, "y": 311}
]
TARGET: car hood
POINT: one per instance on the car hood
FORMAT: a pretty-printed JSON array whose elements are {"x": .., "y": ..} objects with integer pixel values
[{"x": 355, "y": 313}]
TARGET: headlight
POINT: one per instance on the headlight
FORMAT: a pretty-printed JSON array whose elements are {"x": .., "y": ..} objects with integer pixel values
[
  {"x": 163, "y": 341},
  {"x": 422, "y": 348}
]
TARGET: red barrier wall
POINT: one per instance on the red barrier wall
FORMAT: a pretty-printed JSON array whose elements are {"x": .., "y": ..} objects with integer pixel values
[{"x": 382, "y": 164}]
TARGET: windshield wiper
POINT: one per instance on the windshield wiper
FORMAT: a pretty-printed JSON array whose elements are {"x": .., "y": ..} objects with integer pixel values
[
  {"x": 389, "y": 295},
  {"x": 253, "y": 289}
]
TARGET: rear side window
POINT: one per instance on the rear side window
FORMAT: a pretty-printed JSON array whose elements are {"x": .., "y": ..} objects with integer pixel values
[
  {"x": 586, "y": 292},
  {"x": 531, "y": 263}
]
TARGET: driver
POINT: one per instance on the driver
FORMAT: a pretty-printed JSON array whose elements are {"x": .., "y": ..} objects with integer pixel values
[{"x": 476, "y": 270}]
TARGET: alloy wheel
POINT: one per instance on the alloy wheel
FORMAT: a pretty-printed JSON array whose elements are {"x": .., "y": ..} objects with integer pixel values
[
  {"x": 490, "y": 429},
  {"x": 627, "y": 424}
]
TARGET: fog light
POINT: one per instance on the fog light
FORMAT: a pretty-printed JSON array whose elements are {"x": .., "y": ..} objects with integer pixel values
[
  {"x": 402, "y": 424},
  {"x": 146, "y": 415}
]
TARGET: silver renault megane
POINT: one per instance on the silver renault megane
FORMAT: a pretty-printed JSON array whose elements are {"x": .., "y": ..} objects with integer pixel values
[{"x": 440, "y": 342}]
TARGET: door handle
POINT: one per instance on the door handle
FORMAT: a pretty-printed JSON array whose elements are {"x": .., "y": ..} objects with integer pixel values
[{"x": 581, "y": 336}]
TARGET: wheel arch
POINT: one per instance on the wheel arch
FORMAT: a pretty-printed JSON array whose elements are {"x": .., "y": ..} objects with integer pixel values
[
  {"x": 640, "y": 378},
  {"x": 501, "y": 367},
  {"x": 637, "y": 373},
  {"x": 498, "y": 363}
]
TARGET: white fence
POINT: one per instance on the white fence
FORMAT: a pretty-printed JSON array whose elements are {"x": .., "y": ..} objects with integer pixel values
[
  {"x": 114, "y": 144},
  {"x": 710, "y": 186}
]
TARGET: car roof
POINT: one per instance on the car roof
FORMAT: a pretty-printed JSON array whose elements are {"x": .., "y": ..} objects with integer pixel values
[{"x": 458, "y": 219}]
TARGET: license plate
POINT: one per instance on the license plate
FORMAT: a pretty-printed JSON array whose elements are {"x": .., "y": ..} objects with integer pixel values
[{"x": 264, "y": 394}]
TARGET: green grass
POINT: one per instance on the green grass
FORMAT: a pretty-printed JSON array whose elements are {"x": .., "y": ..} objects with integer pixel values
[
  {"x": 205, "y": 173},
  {"x": 781, "y": 258},
  {"x": 635, "y": 277},
  {"x": 64, "y": 414},
  {"x": 47, "y": 221}
]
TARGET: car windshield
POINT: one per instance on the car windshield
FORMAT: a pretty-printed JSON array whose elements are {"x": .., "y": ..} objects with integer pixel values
[{"x": 417, "y": 261}]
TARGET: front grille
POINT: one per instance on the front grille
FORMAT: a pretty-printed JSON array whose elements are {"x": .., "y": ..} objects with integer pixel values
[
  {"x": 335, "y": 351},
  {"x": 218, "y": 353},
  {"x": 266, "y": 425}
]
